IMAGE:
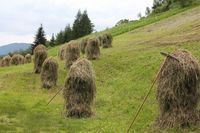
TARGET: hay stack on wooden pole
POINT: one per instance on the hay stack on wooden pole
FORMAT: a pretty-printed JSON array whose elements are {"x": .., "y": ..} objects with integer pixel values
[
  {"x": 28, "y": 58},
  {"x": 92, "y": 49},
  {"x": 61, "y": 52},
  {"x": 178, "y": 91},
  {"x": 6, "y": 61},
  {"x": 72, "y": 53},
  {"x": 17, "y": 59},
  {"x": 49, "y": 73},
  {"x": 107, "y": 40},
  {"x": 80, "y": 89},
  {"x": 83, "y": 44},
  {"x": 40, "y": 54}
]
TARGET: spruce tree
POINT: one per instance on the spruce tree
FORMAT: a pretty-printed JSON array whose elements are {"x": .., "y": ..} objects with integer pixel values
[
  {"x": 60, "y": 38},
  {"x": 86, "y": 24},
  {"x": 52, "y": 41},
  {"x": 67, "y": 34},
  {"x": 39, "y": 38},
  {"x": 82, "y": 25},
  {"x": 77, "y": 26}
]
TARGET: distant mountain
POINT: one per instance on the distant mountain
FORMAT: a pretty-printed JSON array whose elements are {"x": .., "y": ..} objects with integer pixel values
[{"x": 4, "y": 50}]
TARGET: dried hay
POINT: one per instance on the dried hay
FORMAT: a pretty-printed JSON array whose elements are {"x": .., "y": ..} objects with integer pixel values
[
  {"x": 17, "y": 59},
  {"x": 28, "y": 58},
  {"x": 49, "y": 73},
  {"x": 92, "y": 49},
  {"x": 178, "y": 91},
  {"x": 107, "y": 40},
  {"x": 80, "y": 89},
  {"x": 40, "y": 54},
  {"x": 72, "y": 53}
]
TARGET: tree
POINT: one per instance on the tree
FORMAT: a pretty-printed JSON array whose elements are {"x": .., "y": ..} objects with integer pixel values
[
  {"x": 82, "y": 25},
  {"x": 52, "y": 41},
  {"x": 67, "y": 34},
  {"x": 60, "y": 38},
  {"x": 148, "y": 11},
  {"x": 86, "y": 24},
  {"x": 39, "y": 38},
  {"x": 77, "y": 26}
]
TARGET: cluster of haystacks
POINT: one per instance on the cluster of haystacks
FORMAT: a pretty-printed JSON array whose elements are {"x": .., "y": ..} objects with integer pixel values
[
  {"x": 40, "y": 54},
  {"x": 49, "y": 73},
  {"x": 107, "y": 40},
  {"x": 61, "y": 52},
  {"x": 6, "y": 61},
  {"x": 28, "y": 58},
  {"x": 92, "y": 49},
  {"x": 17, "y": 59},
  {"x": 80, "y": 89},
  {"x": 72, "y": 53},
  {"x": 83, "y": 44},
  {"x": 178, "y": 91}
]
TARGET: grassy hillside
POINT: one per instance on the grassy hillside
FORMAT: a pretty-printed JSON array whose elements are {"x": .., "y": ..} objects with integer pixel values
[{"x": 123, "y": 75}]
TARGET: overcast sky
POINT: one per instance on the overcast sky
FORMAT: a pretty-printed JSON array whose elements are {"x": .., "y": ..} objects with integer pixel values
[{"x": 20, "y": 19}]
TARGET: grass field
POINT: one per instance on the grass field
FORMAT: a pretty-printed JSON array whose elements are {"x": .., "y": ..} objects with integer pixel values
[{"x": 124, "y": 74}]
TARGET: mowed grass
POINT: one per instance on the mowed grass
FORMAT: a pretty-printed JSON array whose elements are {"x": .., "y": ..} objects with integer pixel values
[{"x": 124, "y": 74}]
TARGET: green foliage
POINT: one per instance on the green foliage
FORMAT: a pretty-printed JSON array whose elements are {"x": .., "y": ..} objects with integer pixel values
[
  {"x": 60, "y": 38},
  {"x": 39, "y": 37},
  {"x": 21, "y": 52},
  {"x": 52, "y": 41},
  {"x": 67, "y": 33},
  {"x": 82, "y": 25}
]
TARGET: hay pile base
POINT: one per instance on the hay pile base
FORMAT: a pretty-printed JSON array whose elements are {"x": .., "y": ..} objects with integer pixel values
[
  {"x": 72, "y": 53},
  {"x": 92, "y": 49},
  {"x": 40, "y": 54},
  {"x": 6, "y": 61},
  {"x": 17, "y": 59},
  {"x": 28, "y": 58},
  {"x": 107, "y": 40},
  {"x": 83, "y": 44},
  {"x": 49, "y": 73},
  {"x": 178, "y": 91},
  {"x": 79, "y": 90}
]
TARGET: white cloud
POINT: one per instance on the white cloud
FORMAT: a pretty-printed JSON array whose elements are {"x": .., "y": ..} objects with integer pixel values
[{"x": 21, "y": 18}]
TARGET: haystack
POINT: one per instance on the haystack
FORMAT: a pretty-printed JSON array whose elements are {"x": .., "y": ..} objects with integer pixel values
[
  {"x": 6, "y": 61},
  {"x": 107, "y": 40},
  {"x": 17, "y": 59},
  {"x": 100, "y": 39},
  {"x": 80, "y": 89},
  {"x": 72, "y": 53},
  {"x": 28, "y": 58},
  {"x": 83, "y": 44},
  {"x": 61, "y": 52},
  {"x": 49, "y": 73},
  {"x": 178, "y": 91},
  {"x": 40, "y": 54},
  {"x": 92, "y": 49}
]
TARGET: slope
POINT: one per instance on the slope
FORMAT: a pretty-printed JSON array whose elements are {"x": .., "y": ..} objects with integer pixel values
[{"x": 123, "y": 76}]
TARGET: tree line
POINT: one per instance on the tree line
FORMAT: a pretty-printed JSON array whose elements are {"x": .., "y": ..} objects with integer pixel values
[{"x": 82, "y": 26}]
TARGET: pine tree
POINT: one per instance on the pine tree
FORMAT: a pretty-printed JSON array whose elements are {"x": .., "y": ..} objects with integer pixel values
[
  {"x": 60, "y": 38},
  {"x": 86, "y": 24},
  {"x": 52, "y": 41},
  {"x": 82, "y": 25},
  {"x": 77, "y": 26},
  {"x": 39, "y": 38},
  {"x": 67, "y": 34}
]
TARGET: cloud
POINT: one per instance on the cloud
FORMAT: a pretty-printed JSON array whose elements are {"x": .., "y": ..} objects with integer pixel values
[{"x": 21, "y": 18}]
